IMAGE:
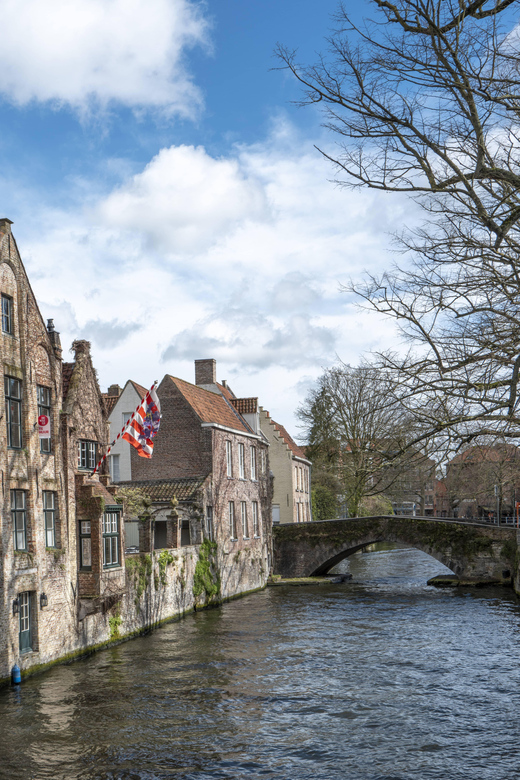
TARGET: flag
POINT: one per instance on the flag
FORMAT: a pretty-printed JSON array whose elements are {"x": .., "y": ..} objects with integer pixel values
[{"x": 144, "y": 424}]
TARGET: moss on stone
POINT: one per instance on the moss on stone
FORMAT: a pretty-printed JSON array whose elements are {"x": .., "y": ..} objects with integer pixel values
[
  {"x": 140, "y": 570},
  {"x": 206, "y": 578}
]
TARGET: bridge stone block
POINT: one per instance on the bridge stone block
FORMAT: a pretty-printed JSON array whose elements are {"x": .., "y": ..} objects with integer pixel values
[{"x": 471, "y": 551}]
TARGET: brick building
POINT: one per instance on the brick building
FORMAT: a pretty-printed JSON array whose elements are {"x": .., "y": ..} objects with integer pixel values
[
  {"x": 60, "y": 561},
  {"x": 292, "y": 474},
  {"x": 212, "y": 439}
]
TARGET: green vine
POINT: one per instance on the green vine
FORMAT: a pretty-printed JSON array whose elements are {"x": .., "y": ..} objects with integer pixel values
[
  {"x": 140, "y": 570},
  {"x": 164, "y": 560},
  {"x": 114, "y": 623},
  {"x": 206, "y": 579}
]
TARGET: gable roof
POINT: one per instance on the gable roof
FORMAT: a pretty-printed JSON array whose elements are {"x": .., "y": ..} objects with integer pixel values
[
  {"x": 295, "y": 449},
  {"x": 211, "y": 407},
  {"x": 138, "y": 388}
]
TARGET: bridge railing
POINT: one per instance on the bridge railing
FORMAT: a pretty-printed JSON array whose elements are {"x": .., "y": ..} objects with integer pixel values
[{"x": 503, "y": 522}]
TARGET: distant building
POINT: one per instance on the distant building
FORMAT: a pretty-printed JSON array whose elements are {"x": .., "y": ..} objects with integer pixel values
[
  {"x": 291, "y": 471},
  {"x": 120, "y": 404}
]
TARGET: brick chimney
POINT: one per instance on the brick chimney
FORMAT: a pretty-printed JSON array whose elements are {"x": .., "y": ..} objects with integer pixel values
[
  {"x": 114, "y": 390},
  {"x": 5, "y": 225},
  {"x": 206, "y": 372}
]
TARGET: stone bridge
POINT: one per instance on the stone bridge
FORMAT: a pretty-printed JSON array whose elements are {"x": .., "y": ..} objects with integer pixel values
[{"x": 472, "y": 551}]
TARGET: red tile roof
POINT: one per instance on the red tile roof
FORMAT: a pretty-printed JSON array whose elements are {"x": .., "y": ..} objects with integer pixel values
[
  {"x": 295, "y": 449},
  {"x": 66, "y": 374},
  {"x": 245, "y": 405},
  {"x": 226, "y": 392},
  {"x": 139, "y": 389},
  {"x": 211, "y": 407}
]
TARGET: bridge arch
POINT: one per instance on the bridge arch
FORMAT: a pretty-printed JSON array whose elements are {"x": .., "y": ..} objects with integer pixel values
[
  {"x": 471, "y": 551},
  {"x": 326, "y": 566}
]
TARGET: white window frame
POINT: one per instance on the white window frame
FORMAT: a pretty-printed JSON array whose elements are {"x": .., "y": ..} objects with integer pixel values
[
  {"x": 241, "y": 461},
  {"x": 254, "y": 469},
  {"x": 256, "y": 525},
  {"x": 49, "y": 515},
  {"x": 229, "y": 459},
  {"x": 245, "y": 524},
  {"x": 232, "y": 522}
]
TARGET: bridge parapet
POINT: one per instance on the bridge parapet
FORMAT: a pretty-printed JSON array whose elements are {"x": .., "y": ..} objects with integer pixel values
[{"x": 470, "y": 550}]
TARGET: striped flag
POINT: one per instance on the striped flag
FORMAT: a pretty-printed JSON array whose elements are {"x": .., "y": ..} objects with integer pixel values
[{"x": 144, "y": 424}]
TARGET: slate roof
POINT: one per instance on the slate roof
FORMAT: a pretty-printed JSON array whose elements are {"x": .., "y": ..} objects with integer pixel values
[
  {"x": 66, "y": 374},
  {"x": 211, "y": 407},
  {"x": 183, "y": 489},
  {"x": 245, "y": 405}
]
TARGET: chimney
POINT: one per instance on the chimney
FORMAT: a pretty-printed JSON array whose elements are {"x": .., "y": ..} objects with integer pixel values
[
  {"x": 114, "y": 390},
  {"x": 206, "y": 372},
  {"x": 5, "y": 225},
  {"x": 54, "y": 337}
]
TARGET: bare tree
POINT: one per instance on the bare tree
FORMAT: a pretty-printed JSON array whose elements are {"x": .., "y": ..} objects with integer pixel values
[
  {"x": 358, "y": 432},
  {"x": 425, "y": 100}
]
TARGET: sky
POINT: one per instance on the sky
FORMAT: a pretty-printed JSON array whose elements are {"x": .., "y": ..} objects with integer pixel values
[{"x": 167, "y": 197}]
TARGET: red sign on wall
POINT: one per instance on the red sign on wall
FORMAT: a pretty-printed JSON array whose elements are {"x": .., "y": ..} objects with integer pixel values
[{"x": 44, "y": 427}]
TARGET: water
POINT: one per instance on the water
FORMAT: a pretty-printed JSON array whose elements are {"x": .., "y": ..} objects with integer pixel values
[{"x": 380, "y": 679}]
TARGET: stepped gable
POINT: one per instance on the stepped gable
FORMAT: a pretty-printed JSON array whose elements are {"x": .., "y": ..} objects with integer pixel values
[
  {"x": 295, "y": 449},
  {"x": 66, "y": 373},
  {"x": 210, "y": 407}
]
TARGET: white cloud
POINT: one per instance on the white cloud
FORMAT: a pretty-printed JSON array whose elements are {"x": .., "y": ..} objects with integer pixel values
[
  {"x": 237, "y": 258},
  {"x": 88, "y": 53},
  {"x": 185, "y": 200}
]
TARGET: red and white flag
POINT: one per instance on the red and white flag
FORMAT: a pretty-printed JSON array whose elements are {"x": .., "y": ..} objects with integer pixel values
[{"x": 144, "y": 424}]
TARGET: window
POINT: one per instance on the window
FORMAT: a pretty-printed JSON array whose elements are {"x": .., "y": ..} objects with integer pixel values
[
  {"x": 7, "y": 314},
  {"x": 87, "y": 454},
  {"x": 256, "y": 527},
  {"x": 232, "y": 521},
  {"x": 241, "y": 462},
  {"x": 25, "y": 634},
  {"x": 49, "y": 514},
  {"x": 296, "y": 478},
  {"x": 229, "y": 459},
  {"x": 209, "y": 522},
  {"x": 13, "y": 411},
  {"x": 19, "y": 518},
  {"x": 110, "y": 525},
  {"x": 85, "y": 545},
  {"x": 262, "y": 462},
  {"x": 126, "y": 417},
  {"x": 245, "y": 526},
  {"x": 276, "y": 514},
  {"x": 254, "y": 474},
  {"x": 114, "y": 468},
  {"x": 44, "y": 407}
]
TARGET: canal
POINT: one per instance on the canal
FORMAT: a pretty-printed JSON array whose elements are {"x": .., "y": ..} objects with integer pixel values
[{"x": 382, "y": 678}]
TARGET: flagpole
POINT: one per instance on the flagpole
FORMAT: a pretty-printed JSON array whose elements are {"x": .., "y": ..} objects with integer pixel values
[{"x": 123, "y": 429}]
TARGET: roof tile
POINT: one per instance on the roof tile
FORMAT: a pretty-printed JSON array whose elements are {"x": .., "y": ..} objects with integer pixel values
[{"x": 211, "y": 407}]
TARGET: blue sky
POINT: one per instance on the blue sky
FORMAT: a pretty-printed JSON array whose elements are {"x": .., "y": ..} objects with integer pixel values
[{"x": 168, "y": 200}]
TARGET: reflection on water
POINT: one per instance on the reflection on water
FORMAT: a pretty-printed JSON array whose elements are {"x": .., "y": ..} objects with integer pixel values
[{"x": 381, "y": 678}]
